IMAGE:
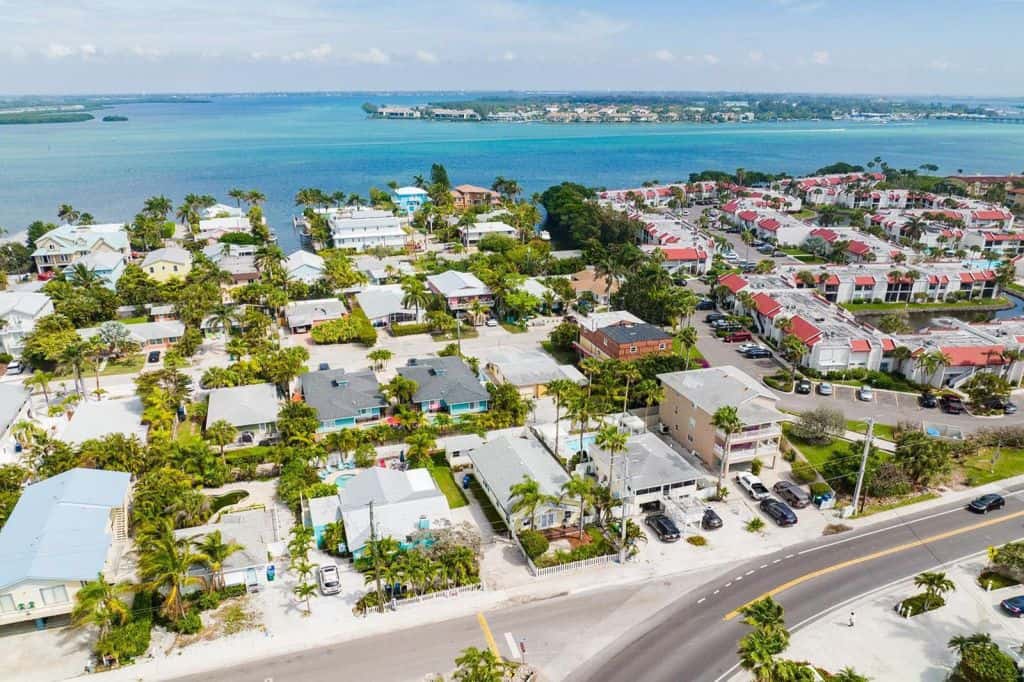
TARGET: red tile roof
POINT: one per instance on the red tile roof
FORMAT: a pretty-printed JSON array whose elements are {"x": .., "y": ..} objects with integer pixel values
[
  {"x": 1001, "y": 237},
  {"x": 973, "y": 356},
  {"x": 989, "y": 214},
  {"x": 733, "y": 282},
  {"x": 832, "y": 280},
  {"x": 770, "y": 224},
  {"x": 860, "y": 345},
  {"x": 824, "y": 233},
  {"x": 858, "y": 248},
  {"x": 746, "y": 215},
  {"x": 888, "y": 345},
  {"x": 687, "y": 253},
  {"x": 804, "y": 330},
  {"x": 766, "y": 305},
  {"x": 864, "y": 280}
]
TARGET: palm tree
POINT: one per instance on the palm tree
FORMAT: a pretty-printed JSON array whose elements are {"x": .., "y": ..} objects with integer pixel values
[
  {"x": 757, "y": 651},
  {"x": 650, "y": 393},
  {"x": 222, "y": 318},
  {"x": 764, "y": 613},
  {"x": 630, "y": 373},
  {"x": 935, "y": 584},
  {"x": 72, "y": 357},
  {"x": 687, "y": 338},
  {"x": 421, "y": 444},
  {"x": 480, "y": 665},
  {"x": 401, "y": 389},
  {"x": 42, "y": 380},
  {"x": 726, "y": 419},
  {"x": 961, "y": 643},
  {"x": 97, "y": 603},
  {"x": 415, "y": 294},
  {"x": 931, "y": 362},
  {"x": 238, "y": 195},
  {"x": 379, "y": 357},
  {"x": 83, "y": 276},
  {"x": 158, "y": 207},
  {"x": 581, "y": 489},
  {"x": 848, "y": 674},
  {"x": 305, "y": 592},
  {"x": 529, "y": 498},
  {"x": 612, "y": 441},
  {"x": 477, "y": 310},
  {"x": 221, "y": 433},
  {"x": 793, "y": 349},
  {"x": 214, "y": 552},
  {"x": 560, "y": 389},
  {"x": 164, "y": 564}
]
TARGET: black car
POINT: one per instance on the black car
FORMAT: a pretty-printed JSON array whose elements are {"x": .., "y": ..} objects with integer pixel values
[
  {"x": 928, "y": 400},
  {"x": 705, "y": 304},
  {"x": 713, "y": 317},
  {"x": 757, "y": 353},
  {"x": 154, "y": 356},
  {"x": 792, "y": 494},
  {"x": 779, "y": 512},
  {"x": 710, "y": 520},
  {"x": 1001, "y": 405},
  {"x": 323, "y": 367},
  {"x": 803, "y": 386},
  {"x": 664, "y": 527},
  {"x": 987, "y": 503},
  {"x": 951, "y": 404}
]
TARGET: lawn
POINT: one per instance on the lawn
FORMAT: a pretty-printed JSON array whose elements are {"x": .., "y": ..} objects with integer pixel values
[
  {"x": 564, "y": 357},
  {"x": 883, "y": 431},
  {"x": 513, "y": 328},
  {"x": 139, "y": 319},
  {"x": 814, "y": 453},
  {"x": 467, "y": 333},
  {"x": 445, "y": 480},
  {"x": 804, "y": 214},
  {"x": 257, "y": 454},
  {"x": 127, "y": 365},
  {"x": 902, "y": 502},
  {"x": 493, "y": 517},
  {"x": 695, "y": 354},
  {"x": 187, "y": 429},
  {"x": 979, "y": 469},
  {"x": 985, "y": 303}
]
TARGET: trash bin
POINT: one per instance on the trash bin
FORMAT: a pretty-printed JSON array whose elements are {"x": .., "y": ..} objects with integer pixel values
[
  {"x": 467, "y": 480},
  {"x": 270, "y": 573}
]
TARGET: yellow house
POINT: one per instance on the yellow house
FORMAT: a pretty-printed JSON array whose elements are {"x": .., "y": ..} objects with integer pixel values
[
  {"x": 62, "y": 533},
  {"x": 167, "y": 263}
]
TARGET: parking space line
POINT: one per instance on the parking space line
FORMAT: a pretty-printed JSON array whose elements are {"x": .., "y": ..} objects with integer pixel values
[
  {"x": 764, "y": 565},
  {"x": 749, "y": 572},
  {"x": 701, "y": 600}
]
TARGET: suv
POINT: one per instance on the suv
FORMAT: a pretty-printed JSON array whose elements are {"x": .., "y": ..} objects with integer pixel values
[
  {"x": 711, "y": 520},
  {"x": 803, "y": 386},
  {"x": 328, "y": 579},
  {"x": 663, "y": 526},
  {"x": 792, "y": 494},
  {"x": 753, "y": 485},
  {"x": 742, "y": 335},
  {"x": 780, "y": 513},
  {"x": 757, "y": 353},
  {"x": 713, "y": 317},
  {"x": 705, "y": 304},
  {"x": 928, "y": 400},
  {"x": 951, "y": 404}
]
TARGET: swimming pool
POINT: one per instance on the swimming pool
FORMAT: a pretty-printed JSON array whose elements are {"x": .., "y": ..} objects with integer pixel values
[
  {"x": 574, "y": 444},
  {"x": 342, "y": 480}
]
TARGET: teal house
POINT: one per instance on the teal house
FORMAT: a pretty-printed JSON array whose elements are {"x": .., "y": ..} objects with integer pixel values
[
  {"x": 446, "y": 385},
  {"x": 343, "y": 399}
]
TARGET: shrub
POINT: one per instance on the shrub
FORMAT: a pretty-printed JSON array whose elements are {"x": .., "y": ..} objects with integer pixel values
[
  {"x": 915, "y": 605},
  {"x": 755, "y": 466},
  {"x": 803, "y": 472},
  {"x": 409, "y": 329},
  {"x": 127, "y": 641},
  {"x": 230, "y": 591},
  {"x": 996, "y": 580},
  {"x": 563, "y": 336},
  {"x": 782, "y": 381},
  {"x": 534, "y": 543},
  {"x": 207, "y": 601},
  {"x": 984, "y": 662},
  {"x": 190, "y": 624},
  {"x": 754, "y": 525},
  {"x": 819, "y": 425},
  {"x": 697, "y": 540},
  {"x": 889, "y": 481},
  {"x": 321, "y": 489},
  {"x": 820, "y": 488},
  {"x": 836, "y": 528},
  {"x": 5, "y": 358},
  {"x": 355, "y": 327},
  {"x": 788, "y": 454}
]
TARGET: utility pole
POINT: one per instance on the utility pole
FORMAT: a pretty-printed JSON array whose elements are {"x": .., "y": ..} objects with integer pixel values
[
  {"x": 863, "y": 464},
  {"x": 622, "y": 501},
  {"x": 376, "y": 564}
]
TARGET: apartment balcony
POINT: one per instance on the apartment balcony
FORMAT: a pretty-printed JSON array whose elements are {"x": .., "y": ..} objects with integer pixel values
[
  {"x": 773, "y": 431},
  {"x": 33, "y": 612},
  {"x": 738, "y": 455}
]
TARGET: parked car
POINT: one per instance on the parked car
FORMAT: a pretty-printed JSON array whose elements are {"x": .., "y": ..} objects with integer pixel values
[
  {"x": 779, "y": 512},
  {"x": 779, "y": 253},
  {"x": 711, "y": 520},
  {"x": 865, "y": 393},
  {"x": 324, "y": 366},
  {"x": 14, "y": 368},
  {"x": 752, "y": 485},
  {"x": 792, "y": 494},
  {"x": 1014, "y": 606},
  {"x": 713, "y": 317},
  {"x": 742, "y": 335},
  {"x": 1010, "y": 408},
  {"x": 757, "y": 353},
  {"x": 951, "y": 404},
  {"x": 664, "y": 527},
  {"x": 744, "y": 347},
  {"x": 928, "y": 400},
  {"x": 491, "y": 322},
  {"x": 154, "y": 356},
  {"x": 1000, "y": 405},
  {"x": 705, "y": 304},
  {"x": 986, "y": 503},
  {"x": 766, "y": 249},
  {"x": 329, "y": 580},
  {"x": 824, "y": 388},
  {"x": 803, "y": 386}
]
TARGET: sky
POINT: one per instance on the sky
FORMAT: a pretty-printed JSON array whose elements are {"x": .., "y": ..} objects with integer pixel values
[{"x": 954, "y": 47}]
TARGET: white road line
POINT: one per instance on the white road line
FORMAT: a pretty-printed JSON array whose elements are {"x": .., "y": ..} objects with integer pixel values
[
  {"x": 739, "y": 578},
  {"x": 749, "y": 572},
  {"x": 790, "y": 556},
  {"x": 701, "y": 600},
  {"x": 512, "y": 646},
  {"x": 728, "y": 584},
  {"x": 776, "y": 561},
  {"x": 764, "y": 565}
]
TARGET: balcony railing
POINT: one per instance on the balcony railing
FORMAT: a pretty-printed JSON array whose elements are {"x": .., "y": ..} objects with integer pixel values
[{"x": 42, "y": 611}]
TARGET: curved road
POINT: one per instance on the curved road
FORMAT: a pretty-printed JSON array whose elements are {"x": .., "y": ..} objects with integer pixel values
[{"x": 695, "y": 637}]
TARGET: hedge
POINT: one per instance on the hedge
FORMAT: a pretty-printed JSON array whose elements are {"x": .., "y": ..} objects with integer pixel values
[
  {"x": 534, "y": 543},
  {"x": 410, "y": 328},
  {"x": 355, "y": 327}
]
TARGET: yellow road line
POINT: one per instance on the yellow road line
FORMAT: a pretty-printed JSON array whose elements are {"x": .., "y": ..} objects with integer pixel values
[
  {"x": 487, "y": 634},
  {"x": 871, "y": 557}
]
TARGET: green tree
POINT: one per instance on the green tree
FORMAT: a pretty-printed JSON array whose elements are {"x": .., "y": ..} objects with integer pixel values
[
  {"x": 401, "y": 389},
  {"x": 214, "y": 551},
  {"x": 221, "y": 433},
  {"x": 924, "y": 459},
  {"x": 421, "y": 444},
  {"x": 164, "y": 565},
  {"x": 582, "y": 490},
  {"x": 305, "y": 592},
  {"x": 727, "y": 420},
  {"x": 98, "y": 603},
  {"x": 528, "y": 498},
  {"x": 982, "y": 661},
  {"x": 687, "y": 338},
  {"x": 480, "y": 665},
  {"x": 415, "y": 294},
  {"x": 984, "y": 387},
  {"x": 934, "y": 584},
  {"x": 560, "y": 390}
]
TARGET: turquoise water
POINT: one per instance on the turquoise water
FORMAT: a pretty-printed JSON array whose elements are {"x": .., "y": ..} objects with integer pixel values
[
  {"x": 575, "y": 444},
  {"x": 279, "y": 144},
  {"x": 342, "y": 481}
]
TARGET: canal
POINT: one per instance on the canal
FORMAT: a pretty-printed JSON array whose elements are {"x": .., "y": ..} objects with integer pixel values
[{"x": 919, "y": 320}]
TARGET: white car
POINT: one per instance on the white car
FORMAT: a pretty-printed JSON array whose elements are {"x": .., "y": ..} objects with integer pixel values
[
  {"x": 749, "y": 345},
  {"x": 329, "y": 580},
  {"x": 866, "y": 394},
  {"x": 491, "y": 322},
  {"x": 753, "y": 486}
]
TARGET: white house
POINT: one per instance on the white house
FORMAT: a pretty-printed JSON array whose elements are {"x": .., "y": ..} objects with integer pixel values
[
  {"x": 65, "y": 245},
  {"x": 250, "y": 409},
  {"x": 14, "y": 406},
  {"x": 651, "y": 472},
  {"x": 366, "y": 228},
  {"x": 20, "y": 310},
  {"x": 304, "y": 266},
  {"x": 96, "y": 419},
  {"x": 472, "y": 234},
  {"x": 383, "y": 305}
]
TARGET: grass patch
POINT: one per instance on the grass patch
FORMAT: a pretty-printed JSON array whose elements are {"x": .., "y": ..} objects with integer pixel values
[
  {"x": 695, "y": 354},
  {"x": 902, "y": 502},
  {"x": 187, "y": 430},
  {"x": 979, "y": 469},
  {"x": 227, "y": 499},
  {"x": 138, "y": 319},
  {"x": 983, "y": 304},
  {"x": 883, "y": 431},
  {"x": 804, "y": 214},
  {"x": 997, "y": 580},
  {"x": 563, "y": 357},
  {"x": 513, "y": 328},
  {"x": 257, "y": 454},
  {"x": 442, "y": 475},
  {"x": 814, "y": 453},
  {"x": 920, "y": 603},
  {"x": 126, "y": 365},
  {"x": 492, "y": 515},
  {"x": 468, "y": 332}
]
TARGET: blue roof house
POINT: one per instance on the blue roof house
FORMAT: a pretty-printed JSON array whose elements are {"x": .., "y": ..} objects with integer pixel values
[
  {"x": 409, "y": 199},
  {"x": 62, "y": 533}
]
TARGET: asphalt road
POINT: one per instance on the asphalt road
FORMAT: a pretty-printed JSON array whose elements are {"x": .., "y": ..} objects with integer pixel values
[{"x": 695, "y": 639}]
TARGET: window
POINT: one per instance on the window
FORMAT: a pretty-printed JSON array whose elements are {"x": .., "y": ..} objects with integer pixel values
[
  {"x": 57, "y": 594},
  {"x": 632, "y": 349},
  {"x": 152, "y": 269},
  {"x": 6, "y": 603},
  {"x": 175, "y": 268},
  {"x": 661, "y": 346}
]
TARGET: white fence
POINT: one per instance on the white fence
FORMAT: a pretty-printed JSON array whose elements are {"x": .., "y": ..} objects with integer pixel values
[
  {"x": 562, "y": 568},
  {"x": 449, "y": 593}
]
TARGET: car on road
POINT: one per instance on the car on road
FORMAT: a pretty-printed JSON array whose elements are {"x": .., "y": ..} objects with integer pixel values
[
  {"x": 752, "y": 485},
  {"x": 664, "y": 527},
  {"x": 865, "y": 393},
  {"x": 792, "y": 494},
  {"x": 803, "y": 386},
  {"x": 779, "y": 512},
  {"x": 1014, "y": 606},
  {"x": 711, "y": 520},
  {"x": 757, "y": 353},
  {"x": 491, "y": 322},
  {"x": 986, "y": 503},
  {"x": 928, "y": 399},
  {"x": 713, "y": 317},
  {"x": 766, "y": 249},
  {"x": 328, "y": 578},
  {"x": 824, "y": 388},
  {"x": 951, "y": 404},
  {"x": 154, "y": 356},
  {"x": 742, "y": 335}
]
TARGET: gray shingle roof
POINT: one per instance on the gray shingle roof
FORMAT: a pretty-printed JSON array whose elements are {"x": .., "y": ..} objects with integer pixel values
[
  {"x": 448, "y": 379},
  {"x": 506, "y": 460},
  {"x": 244, "y": 405},
  {"x": 632, "y": 333},
  {"x": 337, "y": 394},
  {"x": 12, "y": 398}
]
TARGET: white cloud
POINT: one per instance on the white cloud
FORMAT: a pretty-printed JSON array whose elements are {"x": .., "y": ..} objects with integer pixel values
[
  {"x": 940, "y": 64},
  {"x": 58, "y": 51},
  {"x": 755, "y": 56},
  {"x": 711, "y": 59},
  {"x": 374, "y": 55},
  {"x": 664, "y": 56},
  {"x": 426, "y": 57},
  {"x": 508, "y": 56},
  {"x": 147, "y": 52},
  {"x": 313, "y": 54},
  {"x": 821, "y": 57}
]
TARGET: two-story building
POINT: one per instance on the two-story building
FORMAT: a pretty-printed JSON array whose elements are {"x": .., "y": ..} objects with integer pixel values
[
  {"x": 168, "y": 263},
  {"x": 648, "y": 473},
  {"x": 620, "y": 335},
  {"x": 446, "y": 385},
  {"x": 471, "y": 196},
  {"x": 460, "y": 289},
  {"x": 20, "y": 310},
  {"x": 410, "y": 199},
  {"x": 366, "y": 228},
  {"x": 472, "y": 234},
  {"x": 303, "y": 266},
  {"x": 107, "y": 265},
  {"x": 66, "y": 244},
  {"x": 343, "y": 399}
]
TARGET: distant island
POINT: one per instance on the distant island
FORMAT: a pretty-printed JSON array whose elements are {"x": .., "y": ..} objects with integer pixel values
[
  {"x": 112, "y": 119},
  {"x": 32, "y": 117},
  {"x": 669, "y": 108},
  {"x": 31, "y": 110}
]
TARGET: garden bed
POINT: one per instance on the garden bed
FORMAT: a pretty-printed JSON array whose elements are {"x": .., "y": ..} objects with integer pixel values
[
  {"x": 920, "y": 603},
  {"x": 995, "y": 581}
]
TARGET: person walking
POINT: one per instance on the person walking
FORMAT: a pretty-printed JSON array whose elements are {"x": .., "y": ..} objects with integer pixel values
[{"x": 851, "y": 619}]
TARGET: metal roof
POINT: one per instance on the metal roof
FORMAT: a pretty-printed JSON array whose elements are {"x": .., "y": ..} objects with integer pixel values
[
  {"x": 507, "y": 460},
  {"x": 244, "y": 405}
]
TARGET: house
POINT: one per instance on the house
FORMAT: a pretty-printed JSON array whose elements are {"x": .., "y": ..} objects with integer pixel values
[
  {"x": 366, "y": 228},
  {"x": 508, "y": 460},
  {"x": 472, "y": 234},
  {"x": 303, "y": 266},
  {"x": 652, "y": 471},
  {"x": 167, "y": 263},
  {"x": 691, "y": 400},
  {"x": 98, "y": 418},
  {"x": 343, "y": 399},
  {"x": 107, "y": 265},
  {"x": 620, "y": 335},
  {"x": 588, "y": 280},
  {"x": 379, "y": 270},
  {"x": 212, "y": 229},
  {"x": 258, "y": 533},
  {"x": 20, "y": 311},
  {"x": 529, "y": 370},
  {"x": 66, "y": 244},
  {"x": 221, "y": 211},
  {"x": 15, "y": 406},
  {"x": 149, "y": 335},
  {"x": 250, "y": 409},
  {"x": 458, "y": 448},
  {"x": 471, "y": 196},
  {"x": 410, "y": 199},
  {"x": 454, "y": 114},
  {"x": 304, "y": 315},
  {"x": 460, "y": 290},
  {"x": 216, "y": 252},
  {"x": 404, "y": 503},
  {"x": 446, "y": 385},
  {"x": 383, "y": 305},
  {"x": 242, "y": 268},
  {"x": 63, "y": 532}
]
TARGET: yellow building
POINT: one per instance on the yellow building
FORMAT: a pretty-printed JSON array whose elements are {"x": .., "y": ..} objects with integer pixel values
[{"x": 167, "y": 263}]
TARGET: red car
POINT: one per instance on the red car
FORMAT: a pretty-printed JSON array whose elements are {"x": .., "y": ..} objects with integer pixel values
[{"x": 739, "y": 336}]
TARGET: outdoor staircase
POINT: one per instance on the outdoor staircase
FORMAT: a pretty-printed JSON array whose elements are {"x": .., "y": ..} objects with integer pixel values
[{"x": 118, "y": 524}]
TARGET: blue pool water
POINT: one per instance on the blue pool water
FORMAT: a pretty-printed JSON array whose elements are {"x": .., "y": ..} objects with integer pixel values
[
  {"x": 576, "y": 443},
  {"x": 342, "y": 480}
]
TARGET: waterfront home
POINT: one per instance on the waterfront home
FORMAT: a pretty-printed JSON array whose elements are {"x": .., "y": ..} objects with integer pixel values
[
  {"x": 454, "y": 114},
  {"x": 149, "y": 335},
  {"x": 383, "y": 305},
  {"x": 620, "y": 335},
  {"x": 94, "y": 419},
  {"x": 66, "y": 244},
  {"x": 366, "y": 228},
  {"x": 167, "y": 263},
  {"x": 303, "y": 266},
  {"x": 15, "y": 405},
  {"x": 409, "y": 199},
  {"x": 471, "y": 196},
  {"x": 508, "y": 460},
  {"x": 343, "y": 399},
  {"x": 62, "y": 533},
  {"x": 652, "y": 471},
  {"x": 302, "y": 316},
  {"x": 242, "y": 269},
  {"x": 529, "y": 370},
  {"x": 446, "y": 385},
  {"x": 691, "y": 400},
  {"x": 472, "y": 234},
  {"x": 212, "y": 229},
  {"x": 380, "y": 270},
  {"x": 404, "y": 503},
  {"x": 460, "y": 289},
  {"x": 391, "y": 111},
  {"x": 219, "y": 250},
  {"x": 250, "y": 409},
  {"x": 107, "y": 265},
  {"x": 221, "y": 211},
  {"x": 20, "y": 310}
]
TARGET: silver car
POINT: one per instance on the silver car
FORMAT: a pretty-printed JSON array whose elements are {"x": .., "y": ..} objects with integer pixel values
[{"x": 329, "y": 580}]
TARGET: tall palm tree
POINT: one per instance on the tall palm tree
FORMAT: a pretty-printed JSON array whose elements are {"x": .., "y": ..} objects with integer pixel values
[
  {"x": 727, "y": 419},
  {"x": 238, "y": 195},
  {"x": 960, "y": 643},
  {"x": 81, "y": 275},
  {"x": 612, "y": 441},
  {"x": 529, "y": 498},
  {"x": 581, "y": 489},
  {"x": 650, "y": 393},
  {"x": 560, "y": 389},
  {"x": 757, "y": 651},
  {"x": 68, "y": 214},
  {"x": 306, "y": 591},
  {"x": 222, "y": 318},
  {"x": 415, "y": 294},
  {"x": 935, "y": 584},
  {"x": 931, "y": 362},
  {"x": 221, "y": 433},
  {"x": 97, "y": 603},
  {"x": 158, "y": 207},
  {"x": 630, "y": 372},
  {"x": 687, "y": 338},
  {"x": 764, "y": 613},
  {"x": 164, "y": 564},
  {"x": 379, "y": 357},
  {"x": 42, "y": 380},
  {"x": 214, "y": 553},
  {"x": 73, "y": 357}
]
